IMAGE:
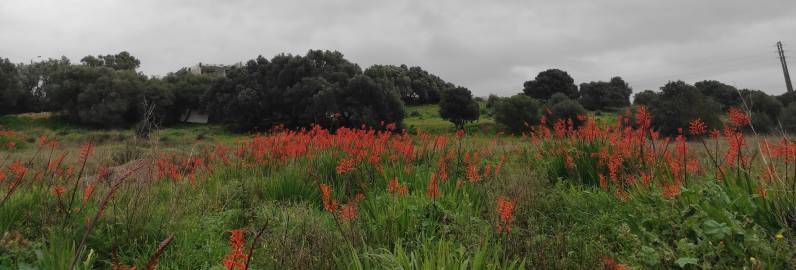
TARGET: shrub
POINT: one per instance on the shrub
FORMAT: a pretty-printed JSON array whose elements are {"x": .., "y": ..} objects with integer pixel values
[
  {"x": 517, "y": 113},
  {"x": 678, "y": 104},
  {"x": 566, "y": 110},
  {"x": 556, "y": 98}
]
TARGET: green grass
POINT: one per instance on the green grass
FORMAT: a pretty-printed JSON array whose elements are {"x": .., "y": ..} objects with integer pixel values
[
  {"x": 563, "y": 219},
  {"x": 427, "y": 118}
]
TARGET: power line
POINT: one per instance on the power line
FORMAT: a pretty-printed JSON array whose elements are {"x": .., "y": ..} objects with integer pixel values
[{"x": 784, "y": 63}]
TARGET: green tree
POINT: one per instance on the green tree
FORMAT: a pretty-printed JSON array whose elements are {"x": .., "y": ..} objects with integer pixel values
[
  {"x": 787, "y": 98},
  {"x": 605, "y": 95},
  {"x": 101, "y": 96},
  {"x": 458, "y": 107},
  {"x": 11, "y": 92},
  {"x": 119, "y": 61},
  {"x": 724, "y": 94},
  {"x": 678, "y": 104},
  {"x": 187, "y": 89},
  {"x": 413, "y": 84},
  {"x": 321, "y": 87},
  {"x": 39, "y": 77},
  {"x": 365, "y": 102},
  {"x": 765, "y": 109},
  {"x": 789, "y": 118},
  {"x": 517, "y": 113},
  {"x": 549, "y": 82},
  {"x": 645, "y": 98}
]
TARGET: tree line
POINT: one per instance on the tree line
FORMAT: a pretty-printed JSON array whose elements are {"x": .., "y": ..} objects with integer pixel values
[
  {"x": 553, "y": 95},
  {"x": 324, "y": 88},
  {"x": 292, "y": 91}
]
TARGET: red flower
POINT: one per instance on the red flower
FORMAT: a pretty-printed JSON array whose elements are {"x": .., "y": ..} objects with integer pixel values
[
  {"x": 345, "y": 165},
  {"x": 611, "y": 264},
  {"x": 696, "y": 127},
  {"x": 737, "y": 117},
  {"x": 329, "y": 204},
  {"x": 86, "y": 150},
  {"x": 349, "y": 211},
  {"x": 433, "y": 189},
  {"x": 87, "y": 193},
  {"x": 393, "y": 187},
  {"x": 472, "y": 174},
  {"x": 58, "y": 190},
  {"x": 643, "y": 117},
  {"x": 236, "y": 258},
  {"x": 505, "y": 210}
]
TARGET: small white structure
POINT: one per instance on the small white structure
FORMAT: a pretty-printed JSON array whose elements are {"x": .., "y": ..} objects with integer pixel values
[{"x": 195, "y": 117}]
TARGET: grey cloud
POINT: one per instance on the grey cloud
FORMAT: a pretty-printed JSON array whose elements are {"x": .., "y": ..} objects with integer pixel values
[{"x": 488, "y": 46}]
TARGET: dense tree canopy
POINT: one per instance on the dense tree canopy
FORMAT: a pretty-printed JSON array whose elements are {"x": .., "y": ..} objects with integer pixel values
[
  {"x": 789, "y": 118},
  {"x": 549, "y": 82},
  {"x": 678, "y": 104},
  {"x": 414, "y": 85},
  {"x": 296, "y": 91},
  {"x": 119, "y": 61},
  {"x": 645, "y": 97},
  {"x": 787, "y": 98},
  {"x": 605, "y": 95},
  {"x": 188, "y": 90},
  {"x": 726, "y": 95},
  {"x": 518, "y": 113},
  {"x": 458, "y": 107},
  {"x": 99, "y": 96},
  {"x": 765, "y": 109},
  {"x": 12, "y": 93}
]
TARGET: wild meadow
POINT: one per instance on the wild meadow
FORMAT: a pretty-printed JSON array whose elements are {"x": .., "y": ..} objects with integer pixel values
[{"x": 574, "y": 194}]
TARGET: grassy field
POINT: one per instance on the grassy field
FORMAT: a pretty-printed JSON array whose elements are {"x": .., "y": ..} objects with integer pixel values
[{"x": 199, "y": 197}]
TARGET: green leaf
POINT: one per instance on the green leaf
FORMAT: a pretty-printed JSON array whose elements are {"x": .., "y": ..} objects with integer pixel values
[{"x": 682, "y": 262}]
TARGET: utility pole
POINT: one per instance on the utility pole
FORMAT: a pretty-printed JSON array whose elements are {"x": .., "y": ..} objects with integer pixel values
[{"x": 784, "y": 66}]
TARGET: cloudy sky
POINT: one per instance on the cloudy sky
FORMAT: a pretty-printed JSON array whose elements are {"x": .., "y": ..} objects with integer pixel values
[{"x": 487, "y": 46}]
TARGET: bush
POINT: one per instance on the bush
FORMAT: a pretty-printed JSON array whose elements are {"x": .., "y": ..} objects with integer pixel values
[
  {"x": 678, "y": 104},
  {"x": 566, "y": 110},
  {"x": 517, "y": 112},
  {"x": 556, "y": 98}
]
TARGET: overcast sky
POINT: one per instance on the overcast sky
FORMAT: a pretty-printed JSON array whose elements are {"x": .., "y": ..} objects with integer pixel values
[{"x": 487, "y": 46}]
